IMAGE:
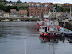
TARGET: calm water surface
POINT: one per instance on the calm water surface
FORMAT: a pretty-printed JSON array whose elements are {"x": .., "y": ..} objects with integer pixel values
[{"x": 14, "y": 34}]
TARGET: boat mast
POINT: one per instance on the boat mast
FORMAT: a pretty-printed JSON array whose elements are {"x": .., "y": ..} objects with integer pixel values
[{"x": 70, "y": 11}]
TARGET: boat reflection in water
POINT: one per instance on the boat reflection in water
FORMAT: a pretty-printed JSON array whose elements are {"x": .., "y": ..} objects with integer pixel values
[{"x": 54, "y": 38}]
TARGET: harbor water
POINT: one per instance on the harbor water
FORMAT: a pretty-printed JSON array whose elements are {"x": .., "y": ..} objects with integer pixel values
[{"x": 23, "y": 38}]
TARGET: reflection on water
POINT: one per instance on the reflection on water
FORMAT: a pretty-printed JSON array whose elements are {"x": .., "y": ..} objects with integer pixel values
[{"x": 12, "y": 36}]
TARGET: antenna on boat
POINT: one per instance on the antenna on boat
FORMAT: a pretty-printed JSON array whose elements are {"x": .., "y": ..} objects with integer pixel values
[
  {"x": 42, "y": 17},
  {"x": 70, "y": 11}
]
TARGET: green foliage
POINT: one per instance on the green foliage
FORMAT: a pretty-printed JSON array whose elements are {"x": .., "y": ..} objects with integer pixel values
[
  {"x": 61, "y": 9},
  {"x": 19, "y": 2},
  {"x": 2, "y": 7},
  {"x": 20, "y": 6},
  {"x": 4, "y": 0},
  {"x": 10, "y": 1},
  {"x": 66, "y": 9},
  {"x": 25, "y": 2},
  {"x": 23, "y": 6},
  {"x": 7, "y": 8},
  {"x": 11, "y": 7}
]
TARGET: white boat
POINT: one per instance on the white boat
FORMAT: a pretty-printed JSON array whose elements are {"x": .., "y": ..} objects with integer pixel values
[
  {"x": 18, "y": 20},
  {"x": 6, "y": 20}
]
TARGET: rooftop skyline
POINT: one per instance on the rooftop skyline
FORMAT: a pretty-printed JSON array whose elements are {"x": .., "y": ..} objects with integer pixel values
[{"x": 54, "y": 1}]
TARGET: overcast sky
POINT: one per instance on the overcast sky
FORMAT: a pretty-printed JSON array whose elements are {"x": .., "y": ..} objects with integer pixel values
[{"x": 54, "y": 1}]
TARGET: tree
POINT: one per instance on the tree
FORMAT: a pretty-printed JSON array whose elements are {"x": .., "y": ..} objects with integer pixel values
[
  {"x": 25, "y": 2},
  {"x": 67, "y": 9},
  {"x": 4, "y": 0},
  {"x": 10, "y": 1},
  {"x": 11, "y": 7},
  {"x": 18, "y": 1},
  {"x": 2, "y": 7},
  {"x": 62, "y": 9}
]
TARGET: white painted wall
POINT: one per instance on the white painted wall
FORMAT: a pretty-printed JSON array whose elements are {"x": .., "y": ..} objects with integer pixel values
[
  {"x": 13, "y": 15},
  {"x": 31, "y": 16},
  {"x": 46, "y": 16},
  {"x": 46, "y": 5},
  {"x": 6, "y": 15},
  {"x": 9, "y": 4}
]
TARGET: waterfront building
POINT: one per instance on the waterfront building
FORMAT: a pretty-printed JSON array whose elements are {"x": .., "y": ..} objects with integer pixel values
[
  {"x": 6, "y": 15},
  {"x": 58, "y": 14},
  {"x": 45, "y": 11},
  {"x": 67, "y": 5},
  {"x": 66, "y": 14},
  {"x": 63, "y": 15},
  {"x": 33, "y": 12},
  {"x": 36, "y": 9},
  {"x": 21, "y": 13},
  {"x": 49, "y": 5},
  {"x": 13, "y": 13}
]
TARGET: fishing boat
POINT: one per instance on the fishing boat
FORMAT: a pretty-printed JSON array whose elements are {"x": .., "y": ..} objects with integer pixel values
[{"x": 49, "y": 30}]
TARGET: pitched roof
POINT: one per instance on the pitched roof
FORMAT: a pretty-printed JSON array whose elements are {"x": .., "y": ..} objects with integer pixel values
[
  {"x": 22, "y": 11},
  {"x": 46, "y": 3},
  {"x": 12, "y": 10}
]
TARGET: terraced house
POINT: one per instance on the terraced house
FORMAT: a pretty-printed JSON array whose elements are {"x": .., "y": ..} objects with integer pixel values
[
  {"x": 22, "y": 13},
  {"x": 6, "y": 14},
  {"x": 13, "y": 13},
  {"x": 36, "y": 9},
  {"x": 67, "y": 5}
]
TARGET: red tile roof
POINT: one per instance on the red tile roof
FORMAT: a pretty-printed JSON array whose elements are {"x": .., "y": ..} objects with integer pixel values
[
  {"x": 22, "y": 11},
  {"x": 32, "y": 7},
  {"x": 43, "y": 7},
  {"x": 46, "y": 3},
  {"x": 12, "y": 10}
]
